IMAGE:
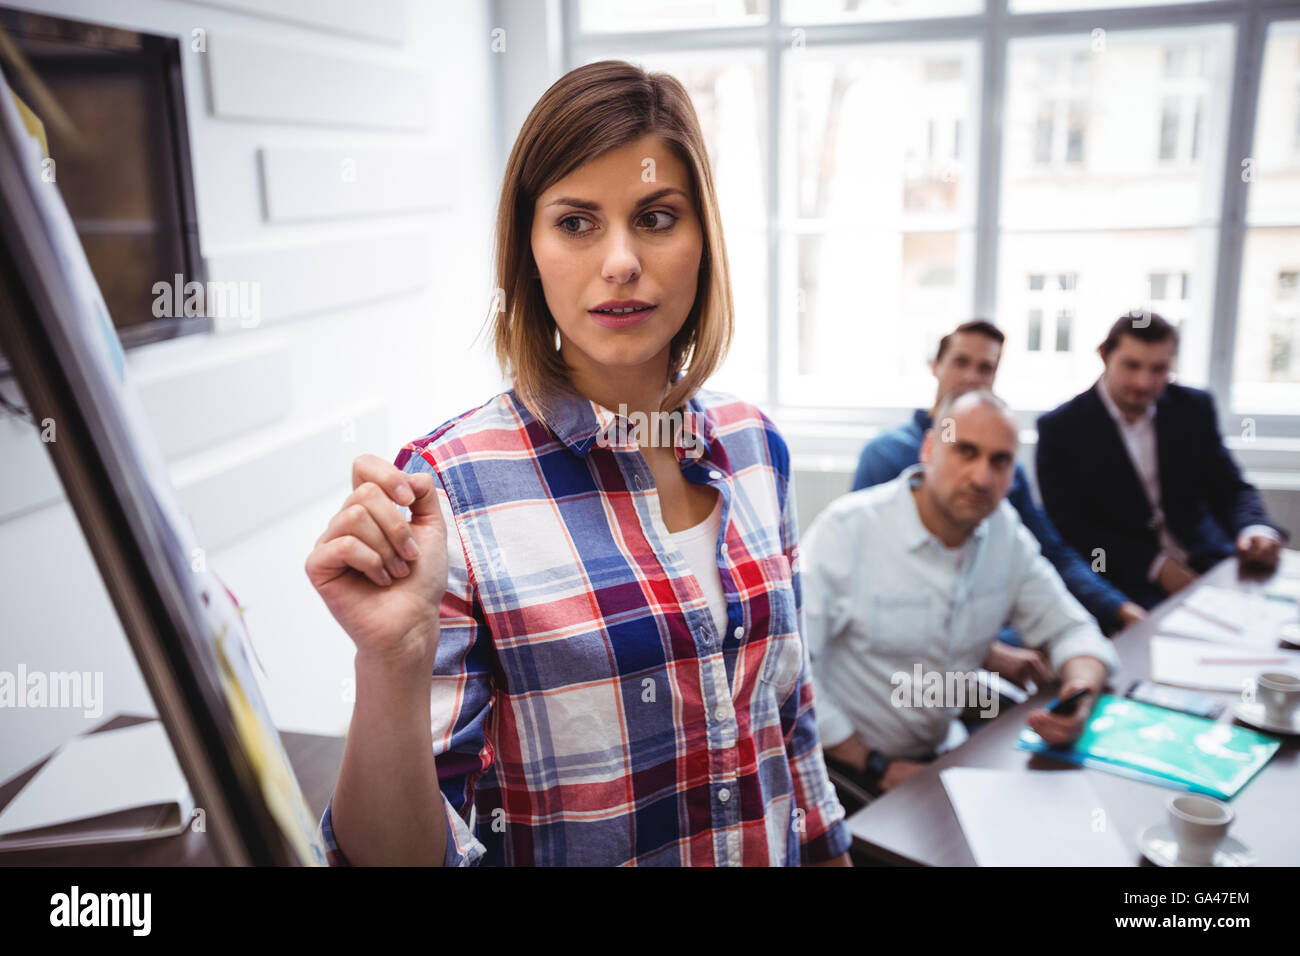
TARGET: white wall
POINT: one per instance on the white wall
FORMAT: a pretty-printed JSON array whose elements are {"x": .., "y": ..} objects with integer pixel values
[{"x": 372, "y": 290}]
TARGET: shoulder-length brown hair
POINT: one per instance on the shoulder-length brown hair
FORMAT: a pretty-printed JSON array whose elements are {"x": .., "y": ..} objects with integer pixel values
[{"x": 586, "y": 112}]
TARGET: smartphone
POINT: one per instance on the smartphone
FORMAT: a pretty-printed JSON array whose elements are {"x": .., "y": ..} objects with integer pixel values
[{"x": 1174, "y": 698}]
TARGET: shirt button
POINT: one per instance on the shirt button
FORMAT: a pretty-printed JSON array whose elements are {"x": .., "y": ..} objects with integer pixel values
[
  {"x": 720, "y": 713},
  {"x": 715, "y": 475},
  {"x": 636, "y": 480},
  {"x": 723, "y": 549},
  {"x": 738, "y": 633},
  {"x": 724, "y": 794}
]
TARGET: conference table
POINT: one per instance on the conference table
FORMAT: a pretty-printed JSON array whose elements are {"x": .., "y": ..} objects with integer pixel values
[{"x": 914, "y": 824}]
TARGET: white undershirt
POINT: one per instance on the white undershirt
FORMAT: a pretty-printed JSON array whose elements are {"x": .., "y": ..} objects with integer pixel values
[{"x": 699, "y": 545}]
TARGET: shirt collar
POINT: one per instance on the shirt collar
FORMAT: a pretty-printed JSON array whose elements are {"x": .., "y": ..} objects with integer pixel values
[
  {"x": 1116, "y": 415},
  {"x": 581, "y": 424},
  {"x": 912, "y": 533},
  {"x": 922, "y": 420}
]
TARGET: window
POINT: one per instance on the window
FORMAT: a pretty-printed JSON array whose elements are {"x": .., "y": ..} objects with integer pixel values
[
  {"x": 871, "y": 232},
  {"x": 1166, "y": 288},
  {"x": 1053, "y": 295},
  {"x": 1034, "y": 331},
  {"x": 1033, "y": 6},
  {"x": 1181, "y": 104},
  {"x": 1266, "y": 361},
  {"x": 1063, "y": 320},
  {"x": 1110, "y": 226},
  {"x": 877, "y": 254},
  {"x": 847, "y": 11},
  {"x": 1060, "y": 124},
  {"x": 1157, "y": 284},
  {"x": 605, "y": 16}
]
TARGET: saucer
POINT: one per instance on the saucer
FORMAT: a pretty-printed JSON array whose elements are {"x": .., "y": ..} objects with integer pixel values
[
  {"x": 1253, "y": 714},
  {"x": 1158, "y": 845}
]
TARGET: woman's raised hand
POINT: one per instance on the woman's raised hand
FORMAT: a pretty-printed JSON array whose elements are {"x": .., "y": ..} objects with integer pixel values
[{"x": 381, "y": 576}]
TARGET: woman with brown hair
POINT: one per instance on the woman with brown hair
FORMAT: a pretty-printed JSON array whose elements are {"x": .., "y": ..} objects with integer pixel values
[{"x": 597, "y": 588}]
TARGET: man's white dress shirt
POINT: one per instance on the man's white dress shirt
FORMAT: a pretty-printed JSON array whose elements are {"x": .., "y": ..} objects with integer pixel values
[{"x": 881, "y": 594}]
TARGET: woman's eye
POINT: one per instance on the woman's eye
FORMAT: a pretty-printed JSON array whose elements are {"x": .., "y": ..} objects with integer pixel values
[
  {"x": 573, "y": 232},
  {"x": 663, "y": 224}
]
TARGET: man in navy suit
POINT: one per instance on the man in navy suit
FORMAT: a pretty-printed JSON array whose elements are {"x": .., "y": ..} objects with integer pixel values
[{"x": 1135, "y": 476}]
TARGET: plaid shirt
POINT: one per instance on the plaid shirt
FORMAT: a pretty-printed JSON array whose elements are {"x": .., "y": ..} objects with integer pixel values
[{"x": 586, "y": 711}]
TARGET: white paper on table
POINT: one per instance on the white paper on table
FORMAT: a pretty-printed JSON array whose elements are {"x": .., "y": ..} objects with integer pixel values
[
  {"x": 1189, "y": 624},
  {"x": 1032, "y": 818},
  {"x": 1289, "y": 566},
  {"x": 1263, "y": 620},
  {"x": 97, "y": 774},
  {"x": 1204, "y": 665},
  {"x": 1284, "y": 588},
  {"x": 1239, "y": 610}
]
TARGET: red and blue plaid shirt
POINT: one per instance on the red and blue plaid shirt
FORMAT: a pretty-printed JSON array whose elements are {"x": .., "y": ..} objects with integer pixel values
[{"x": 586, "y": 711}]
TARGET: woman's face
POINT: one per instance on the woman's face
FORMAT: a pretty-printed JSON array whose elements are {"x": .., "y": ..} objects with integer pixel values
[{"x": 619, "y": 230}]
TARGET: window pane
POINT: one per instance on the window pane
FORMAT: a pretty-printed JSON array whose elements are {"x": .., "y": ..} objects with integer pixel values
[
  {"x": 1266, "y": 362},
  {"x": 1107, "y": 197},
  {"x": 878, "y": 202},
  {"x": 1034, "y": 6},
  {"x": 606, "y": 16},
  {"x": 868, "y": 309},
  {"x": 858, "y": 11},
  {"x": 1267, "y": 357},
  {"x": 1273, "y": 169},
  {"x": 1063, "y": 320},
  {"x": 1102, "y": 134},
  {"x": 1091, "y": 279},
  {"x": 728, "y": 91}
]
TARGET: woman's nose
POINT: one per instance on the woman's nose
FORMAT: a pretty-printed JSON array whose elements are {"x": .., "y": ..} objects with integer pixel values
[{"x": 622, "y": 264}]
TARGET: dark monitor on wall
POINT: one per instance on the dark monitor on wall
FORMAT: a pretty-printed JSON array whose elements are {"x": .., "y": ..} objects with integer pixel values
[{"x": 113, "y": 108}]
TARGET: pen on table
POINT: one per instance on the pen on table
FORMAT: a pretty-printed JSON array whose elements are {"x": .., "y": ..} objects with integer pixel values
[{"x": 1066, "y": 707}]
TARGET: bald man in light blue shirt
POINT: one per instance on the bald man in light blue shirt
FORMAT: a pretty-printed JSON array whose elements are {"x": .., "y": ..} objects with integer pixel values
[{"x": 906, "y": 586}]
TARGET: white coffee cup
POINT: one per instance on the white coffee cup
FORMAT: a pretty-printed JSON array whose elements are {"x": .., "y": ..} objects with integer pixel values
[
  {"x": 1200, "y": 825},
  {"x": 1279, "y": 692}
]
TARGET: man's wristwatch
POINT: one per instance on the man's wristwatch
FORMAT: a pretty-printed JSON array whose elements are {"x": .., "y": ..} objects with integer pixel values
[{"x": 877, "y": 767}]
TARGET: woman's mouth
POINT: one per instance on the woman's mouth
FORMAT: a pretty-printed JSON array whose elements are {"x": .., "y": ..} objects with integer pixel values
[{"x": 621, "y": 317}]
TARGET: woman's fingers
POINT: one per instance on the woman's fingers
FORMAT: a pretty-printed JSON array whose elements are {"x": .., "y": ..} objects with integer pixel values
[
  {"x": 334, "y": 557},
  {"x": 369, "y": 533},
  {"x": 394, "y": 482},
  {"x": 363, "y": 516},
  {"x": 395, "y": 528}
]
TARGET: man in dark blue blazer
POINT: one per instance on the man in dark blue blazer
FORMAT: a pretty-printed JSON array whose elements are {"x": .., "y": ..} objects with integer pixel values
[{"x": 1135, "y": 476}]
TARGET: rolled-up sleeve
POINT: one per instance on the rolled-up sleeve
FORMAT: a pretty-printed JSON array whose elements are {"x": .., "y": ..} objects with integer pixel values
[
  {"x": 823, "y": 834},
  {"x": 461, "y": 695},
  {"x": 1048, "y": 616}
]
